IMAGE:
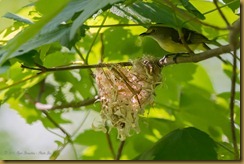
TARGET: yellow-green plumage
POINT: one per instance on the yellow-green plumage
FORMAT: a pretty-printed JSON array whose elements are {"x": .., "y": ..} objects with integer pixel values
[{"x": 169, "y": 39}]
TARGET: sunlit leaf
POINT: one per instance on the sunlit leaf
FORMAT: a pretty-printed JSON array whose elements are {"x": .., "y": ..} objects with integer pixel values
[
  {"x": 192, "y": 9},
  {"x": 17, "y": 18},
  {"x": 14, "y": 45}
]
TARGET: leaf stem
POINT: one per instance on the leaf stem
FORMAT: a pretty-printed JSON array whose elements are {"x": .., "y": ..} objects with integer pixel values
[
  {"x": 121, "y": 146},
  {"x": 110, "y": 145}
]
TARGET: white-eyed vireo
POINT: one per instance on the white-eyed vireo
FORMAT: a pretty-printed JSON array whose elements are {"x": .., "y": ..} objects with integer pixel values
[{"x": 168, "y": 38}]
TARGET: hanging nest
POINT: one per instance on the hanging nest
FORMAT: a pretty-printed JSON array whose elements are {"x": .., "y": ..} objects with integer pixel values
[{"x": 124, "y": 92}]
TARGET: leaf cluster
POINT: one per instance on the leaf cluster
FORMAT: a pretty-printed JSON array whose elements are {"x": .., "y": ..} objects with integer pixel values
[{"x": 189, "y": 120}]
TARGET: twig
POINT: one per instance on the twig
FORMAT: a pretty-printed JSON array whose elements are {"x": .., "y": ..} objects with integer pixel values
[
  {"x": 81, "y": 124},
  {"x": 232, "y": 107},
  {"x": 110, "y": 145},
  {"x": 102, "y": 47},
  {"x": 45, "y": 69},
  {"x": 79, "y": 53},
  {"x": 221, "y": 13},
  {"x": 121, "y": 146},
  {"x": 119, "y": 25},
  {"x": 38, "y": 99},
  {"x": 234, "y": 43},
  {"x": 195, "y": 58},
  {"x": 55, "y": 123},
  {"x": 21, "y": 81},
  {"x": 190, "y": 17},
  {"x": 93, "y": 42},
  {"x": 85, "y": 102}
]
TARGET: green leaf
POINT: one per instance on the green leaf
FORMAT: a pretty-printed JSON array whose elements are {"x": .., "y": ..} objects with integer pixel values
[
  {"x": 39, "y": 40},
  {"x": 57, "y": 117},
  {"x": 155, "y": 13},
  {"x": 88, "y": 10},
  {"x": 227, "y": 68},
  {"x": 119, "y": 42},
  {"x": 24, "y": 36},
  {"x": 189, "y": 7},
  {"x": 27, "y": 111},
  {"x": 55, "y": 155},
  {"x": 233, "y": 4},
  {"x": 17, "y": 18},
  {"x": 58, "y": 58},
  {"x": 96, "y": 145},
  {"x": 205, "y": 116},
  {"x": 173, "y": 79},
  {"x": 182, "y": 144}
]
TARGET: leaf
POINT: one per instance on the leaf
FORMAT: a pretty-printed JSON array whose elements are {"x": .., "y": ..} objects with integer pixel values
[
  {"x": 189, "y": 7},
  {"x": 205, "y": 116},
  {"x": 233, "y": 4},
  {"x": 17, "y": 18},
  {"x": 24, "y": 36},
  {"x": 173, "y": 79},
  {"x": 88, "y": 10},
  {"x": 182, "y": 144},
  {"x": 96, "y": 142},
  {"x": 155, "y": 13},
  {"x": 74, "y": 6},
  {"x": 57, "y": 117},
  {"x": 227, "y": 68},
  {"x": 119, "y": 42},
  {"x": 39, "y": 40},
  {"x": 58, "y": 58},
  {"x": 27, "y": 111}
]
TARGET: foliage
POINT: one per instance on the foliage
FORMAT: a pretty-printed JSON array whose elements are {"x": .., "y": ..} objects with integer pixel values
[{"x": 189, "y": 120}]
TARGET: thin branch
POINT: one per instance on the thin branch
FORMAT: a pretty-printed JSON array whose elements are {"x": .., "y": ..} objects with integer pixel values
[
  {"x": 190, "y": 17},
  {"x": 21, "y": 81},
  {"x": 234, "y": 43},
  {"x": 102, "y": 47},
  {"x": 81, "y": 124},
  {"x": 85, "y": 102},
  {"x": 79, "y": 53},
  {"x": 45, "y": 69},
  {"x": 93, "y": 42},
  {"x": 119, "y": 25},
  {"x": 232, "y": 107},
  {"x": 121, "y": 146},
  {"x": 234, "y": 34},
  {"x": 85, "y": 62},
  {"x": 55, "y": 123},
  {"x": 195, "y": 58},
  {"x": 110, "y": 145},
  {"x": 221, "y": 13}
]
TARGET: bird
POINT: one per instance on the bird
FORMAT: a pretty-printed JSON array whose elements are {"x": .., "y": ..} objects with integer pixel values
[{"x": 169, "y": 39}]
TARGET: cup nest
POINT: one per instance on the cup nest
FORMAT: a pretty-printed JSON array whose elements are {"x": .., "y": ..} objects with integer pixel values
[{"x": 124, "y": 92}]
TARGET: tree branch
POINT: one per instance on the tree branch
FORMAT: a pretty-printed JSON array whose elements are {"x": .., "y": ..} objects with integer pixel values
[
  {"x": 195, "y": 58},
  {"x": 234, "y": 41},
  {"x": 85, "y": 102},
  {"x": 43, "y": 69}
]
